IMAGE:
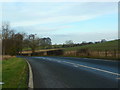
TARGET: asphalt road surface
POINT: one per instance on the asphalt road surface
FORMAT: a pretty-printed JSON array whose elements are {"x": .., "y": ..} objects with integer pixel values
[{"x": 69, "y": 72}]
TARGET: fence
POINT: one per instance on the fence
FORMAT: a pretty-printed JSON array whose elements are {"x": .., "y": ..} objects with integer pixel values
[{"x": 105, "y": 53}]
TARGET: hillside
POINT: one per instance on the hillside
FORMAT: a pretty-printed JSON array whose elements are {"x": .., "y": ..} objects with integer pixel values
[{"x": 109, "y": 45}]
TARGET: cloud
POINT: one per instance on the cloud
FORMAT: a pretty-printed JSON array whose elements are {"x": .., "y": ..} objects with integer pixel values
[
  {"x": 29, "y": 14},
  {"x": 89, "y": 37},
  {"x": 54, "y": 19},
  {"x": 42, "y": 29}
]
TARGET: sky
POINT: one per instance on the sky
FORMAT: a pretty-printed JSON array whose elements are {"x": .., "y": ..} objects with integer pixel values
[{"x": 61, "y": 21}]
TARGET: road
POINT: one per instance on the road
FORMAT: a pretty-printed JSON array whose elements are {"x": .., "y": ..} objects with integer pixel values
[{"x": 69, "y": 72}]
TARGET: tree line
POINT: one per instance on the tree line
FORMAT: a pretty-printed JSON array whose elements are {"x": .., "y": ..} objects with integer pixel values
[
  {"x": 14, "y": 42},
  {"x": 70, "y": 43}
]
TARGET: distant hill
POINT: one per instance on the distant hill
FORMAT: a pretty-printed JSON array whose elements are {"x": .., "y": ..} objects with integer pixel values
[{"x": 109, "y": 45}]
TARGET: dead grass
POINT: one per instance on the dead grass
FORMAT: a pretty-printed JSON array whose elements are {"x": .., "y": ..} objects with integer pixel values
[{"x": 6, "y": 57}]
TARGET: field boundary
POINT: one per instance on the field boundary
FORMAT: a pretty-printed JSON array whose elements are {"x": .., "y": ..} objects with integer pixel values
[{"x": 30, "y": 83}]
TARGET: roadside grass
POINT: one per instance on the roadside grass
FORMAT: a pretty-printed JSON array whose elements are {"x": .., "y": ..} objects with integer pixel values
[
  {"x": 0, "y": 72},
  {"x": 110, "y": 46},
  {"x": 14, "y": 73},
  {"x": 25, "y": 49}
]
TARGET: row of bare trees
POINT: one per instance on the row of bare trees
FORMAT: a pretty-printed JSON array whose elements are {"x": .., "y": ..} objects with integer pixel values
[{"x": 13, "y": 43}]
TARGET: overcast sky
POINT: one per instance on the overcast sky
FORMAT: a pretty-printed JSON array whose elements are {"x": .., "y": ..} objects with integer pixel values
[{"x": 63, "y": 21}]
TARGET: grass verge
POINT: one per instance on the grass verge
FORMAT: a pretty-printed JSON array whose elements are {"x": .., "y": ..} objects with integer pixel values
[{"x": 14, "y": 73}]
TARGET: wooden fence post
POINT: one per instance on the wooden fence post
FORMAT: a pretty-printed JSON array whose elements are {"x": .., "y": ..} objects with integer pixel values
[{"x": 105, "y": 53}]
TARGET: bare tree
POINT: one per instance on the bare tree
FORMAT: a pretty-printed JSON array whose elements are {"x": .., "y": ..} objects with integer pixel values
[
  {"x": 6, "y": 32},
  {"x": 32, "y": 42},
  {"x": 11, "y": 41}
]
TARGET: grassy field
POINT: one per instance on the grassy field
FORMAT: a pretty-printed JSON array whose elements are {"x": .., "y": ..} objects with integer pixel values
[
  {"x": 38, "y": 48},
  {"x": 42, "y": 47},
  {"x": 15, "y": 73},
  {"x": 110, "y": 46},
  {"x": 105, "y": 50}
]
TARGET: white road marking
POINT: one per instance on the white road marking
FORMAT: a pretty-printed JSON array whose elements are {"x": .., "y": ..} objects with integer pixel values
[
  {"x": 98, "y": 69},
  {"x": 76, "y": 65},
  {"x": 30, "y": 84},
  {"x": 93, "y": 68},
  {"x": 68, "y": 62},
  {"x": 58, "y": 61}
]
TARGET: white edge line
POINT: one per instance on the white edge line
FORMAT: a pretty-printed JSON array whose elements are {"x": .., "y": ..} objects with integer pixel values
[{"x": 30, "y": 84}]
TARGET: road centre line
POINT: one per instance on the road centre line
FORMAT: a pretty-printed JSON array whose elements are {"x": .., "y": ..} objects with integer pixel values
[
  {"x": 59, "y": 61},
  {"x": 99, "y": 69},
  {"x": 76, "y": 65},
  {"x": 93, "y": 68}
]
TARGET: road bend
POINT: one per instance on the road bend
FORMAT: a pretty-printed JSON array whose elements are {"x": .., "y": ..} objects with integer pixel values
[{"x": 69, "y": 72}]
